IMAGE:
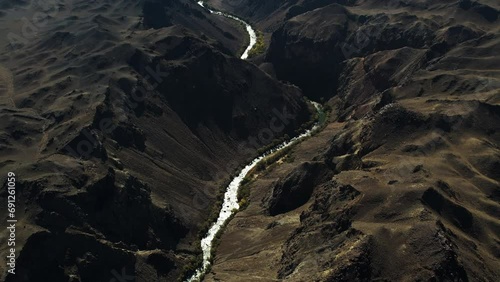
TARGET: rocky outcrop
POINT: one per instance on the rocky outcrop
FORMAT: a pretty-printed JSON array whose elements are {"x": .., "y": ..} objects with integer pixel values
[
  {"x": 328, "y": 222},
  {"x": 123, "y": 126},
  {"x": 413, "y": 135},
  {"x": 305, "y": 50},
  {"x": 159, "y": 14},
  {"x": 209, "y": 87},
  {"x": 296, "y": 189},
  {"x": 71, "y": 256}
]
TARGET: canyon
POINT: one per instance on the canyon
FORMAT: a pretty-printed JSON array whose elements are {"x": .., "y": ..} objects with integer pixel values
[{"x": 125, "y": 122}]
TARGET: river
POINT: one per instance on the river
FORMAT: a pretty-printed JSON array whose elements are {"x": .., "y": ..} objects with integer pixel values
[
  {"x": 230, "y": 205},
  {"x": 251, "y": 32}
]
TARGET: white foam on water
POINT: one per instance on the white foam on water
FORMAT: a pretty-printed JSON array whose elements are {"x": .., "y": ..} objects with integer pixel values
[
  {"x": 231, "y": 206},
  {"x": 251, "y": 32}
]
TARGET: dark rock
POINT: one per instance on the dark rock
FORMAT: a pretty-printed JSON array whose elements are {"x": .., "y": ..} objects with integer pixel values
[
  {"x": 45, "y": 255},
  {"x": 457, "y": 214},
  {"x": 162, "y": 263},
  {"x": 296, "y": 189}
]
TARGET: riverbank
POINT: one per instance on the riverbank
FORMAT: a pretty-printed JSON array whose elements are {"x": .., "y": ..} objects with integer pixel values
[
  {"x": 251, "y": 32},
  {"x": 232, "y": 198}
]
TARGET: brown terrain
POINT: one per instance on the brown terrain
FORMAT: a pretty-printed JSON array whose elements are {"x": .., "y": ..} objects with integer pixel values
[
  {"x": 403, "y": 182},
  {"x": 122, "y": 120}
]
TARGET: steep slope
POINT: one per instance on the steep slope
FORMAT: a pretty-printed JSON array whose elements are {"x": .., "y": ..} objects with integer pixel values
[
  {"x": 403, "y": 183},
  {"x": 120, "y": 128}
]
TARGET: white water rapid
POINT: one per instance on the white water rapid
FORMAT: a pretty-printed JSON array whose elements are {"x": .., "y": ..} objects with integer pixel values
[
  {"x": 231, "y": 205},
  {"x": 250, "y": 30}
]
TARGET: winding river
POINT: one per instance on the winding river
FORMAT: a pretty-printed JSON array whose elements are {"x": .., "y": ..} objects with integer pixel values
[
  {"x": 230, "y": 205},
  {"x": 251, "y": 32}
]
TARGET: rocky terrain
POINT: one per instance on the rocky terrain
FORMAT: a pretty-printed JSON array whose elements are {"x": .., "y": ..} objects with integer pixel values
[
  {"x": 403, "y": 182},
  {"x": 122, "y": 119}
]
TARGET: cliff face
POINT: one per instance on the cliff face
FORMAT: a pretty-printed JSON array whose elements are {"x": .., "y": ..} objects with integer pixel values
[
  {"x": 230, "y": 37},
  {"x": 121, "y": 120},
  {"x": 348, "y": 34},
  {"x": 411, "y": 150}
]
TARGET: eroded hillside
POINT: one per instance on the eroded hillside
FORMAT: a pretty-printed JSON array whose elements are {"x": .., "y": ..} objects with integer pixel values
[
  {"x": 403, "y": 183},
  {"x": 121, "y": 120}
]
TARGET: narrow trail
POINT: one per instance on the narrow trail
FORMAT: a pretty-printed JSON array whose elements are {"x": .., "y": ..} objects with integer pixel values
[{"x": 7, "y": 80}]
